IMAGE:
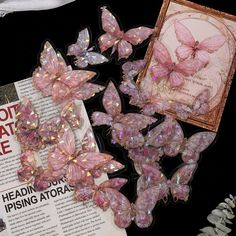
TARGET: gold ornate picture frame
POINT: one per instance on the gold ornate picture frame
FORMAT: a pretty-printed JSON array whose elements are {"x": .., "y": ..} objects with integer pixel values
[{"x": 216, "y": 75}]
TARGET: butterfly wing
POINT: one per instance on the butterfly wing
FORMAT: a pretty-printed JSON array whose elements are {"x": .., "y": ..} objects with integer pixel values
[
  {"x": 179, "y": 182},
  {"x": 176, "y": 79},
  {"x": 187, "y": 67},
  {"x": 137, "y": 35},
  {"x": 212, "y": 43},
  {"x": 101, "y": 118},
  {"x": 201, "y": 103},
  {"x": 196, "y": 144},
  {"x": 144, "y": 205},
  {"x": 112, "y": 167},
  {"x": 95, "y": 58},
  {"x": 126, "y": 136},
  {"x": 131, "y": 69},
  {"x": 136, "y": 121},
  {"x": 120, "y": 206},
  {"x": 124, "y": 49},
  {"x": 111, "y": 100},
  {"x": 183, "y": 34},
  {"x": 86, "y": 91},
  {"x": 173, "y": 145},
  {"x": 152, "y": 176},
  {"x": 115, "y": 183},
  {"x": 112, "y": 29},
  {"x": 183, "y": 52},
  {"x": 81, "y": 45},
  {"x": 161, "y": 54},
  {"x": 89, "y": 142},
  {"x": 29, "y": 166}
]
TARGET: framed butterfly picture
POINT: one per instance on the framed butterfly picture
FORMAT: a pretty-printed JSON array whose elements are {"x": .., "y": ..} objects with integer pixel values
[{"x": 191, "y": 60}]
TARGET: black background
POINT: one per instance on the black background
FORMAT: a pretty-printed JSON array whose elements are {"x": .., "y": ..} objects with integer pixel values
[{"x": 21, "y": 38}]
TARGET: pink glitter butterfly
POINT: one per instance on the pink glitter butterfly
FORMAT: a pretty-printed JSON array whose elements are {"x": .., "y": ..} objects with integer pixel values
[
  {"x": 169, "y": 70},
  {"x": 32, "y": 135},
  {"x": 140, "y": 212},
  {"x": 177, "y": 185},
  {"x": 96, "y": 193},
  {"x": 84, "y": 55},
  {"x": 117, "y": 39},
  {"x": 57, "y": 79},
  {"x": 170, "y": 137},
  {"x": 190, "y": 48},
  {"x": 77, "y": 164},
  {"x": 124, "y": 127},
  {"x": 200, "y": 106},
  {"x": 30, "y": 171}
]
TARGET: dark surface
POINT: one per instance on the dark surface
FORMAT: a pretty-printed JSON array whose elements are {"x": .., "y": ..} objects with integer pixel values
[{"x": 22, "y": 35}]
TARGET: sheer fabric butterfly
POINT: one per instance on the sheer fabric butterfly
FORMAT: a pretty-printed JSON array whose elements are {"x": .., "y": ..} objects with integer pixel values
[
  {"x": 54, "y": 78},
  {"x": 117, "y": 39},
  {"x": 165, "y": 68},
  {"x": 191, "y": 48},
  {"x": 83, "y": 54},
  {"x": 124, "y": 127}
]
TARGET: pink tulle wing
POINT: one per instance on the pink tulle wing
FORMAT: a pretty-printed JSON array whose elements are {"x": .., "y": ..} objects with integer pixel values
[
  {"x": 196, "y": 144},
  {"x": 183, "y": 52},
  {"x": 92, "y": 160},
  {"x": 203, "y": 57},
  {"x": 160, "y": 71},
  {"x": 111, "y": 100},
  {"x": 120, "y": 206},
  {"x": 86, "y": 91},
  {"x": 101, "y": 118},
  {"x": 176, "y": 79},
  {"x": 124, "y": 49},
  {"x": 212, "y": 44},
  {"x": 137, "y": 35},
  {"x": 179, "y": 188},
  {"x": 136, "y": 121},
  {"x": 187, "y": 67},
  {"x": 161, "y": 53},
  {"x": 109, "y": 23},
  {"x": 183, "y": 34}
]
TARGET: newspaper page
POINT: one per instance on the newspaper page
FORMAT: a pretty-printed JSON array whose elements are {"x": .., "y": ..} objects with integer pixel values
[{"x": 53, "y": 212}]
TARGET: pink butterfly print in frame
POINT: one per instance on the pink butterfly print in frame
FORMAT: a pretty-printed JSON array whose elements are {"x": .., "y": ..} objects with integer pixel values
[
  {"x": 55, "y": 78},
  {"x": 165, "y": 68},
  {"x": 117, "y": 39},
  {"x": 124, "y": 127},
  {"x": 191, "y": 48},
  {"x": 206, "y": 38}
]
